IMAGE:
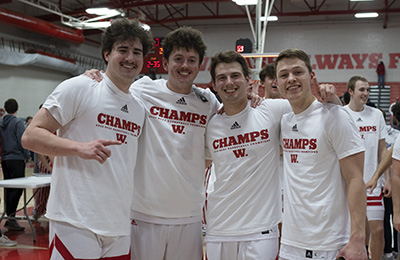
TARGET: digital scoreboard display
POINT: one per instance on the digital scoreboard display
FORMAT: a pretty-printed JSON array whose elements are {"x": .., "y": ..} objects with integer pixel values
[{"x": 153, "y": 61}]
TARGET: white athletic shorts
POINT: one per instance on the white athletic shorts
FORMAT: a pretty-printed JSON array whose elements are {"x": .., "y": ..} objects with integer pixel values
[
  {"x": 69, "y": 242},
  {"x": 166, "y": 242},
  {"x": 266, "y": 249},
  {"x": 295, "y": 253},
  {"x": 263, "y": 245},
  {"x": 375, "y": 207}
]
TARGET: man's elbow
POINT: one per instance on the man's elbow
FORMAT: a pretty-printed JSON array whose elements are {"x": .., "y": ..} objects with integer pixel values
[{"x": 26, "y": 140}]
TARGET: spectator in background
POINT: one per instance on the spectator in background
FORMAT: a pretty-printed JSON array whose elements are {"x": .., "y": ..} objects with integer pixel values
[
  {"x": 268, "y": 81},
  {"x": 28, "y": 121},
  {"x": 370, "y": 103},
  {"x": 2, "y": 112},
  {"x": 380, "y": 70},
  {"x": 5, "y": 241},
  {"x": 13, "y": 158},
  {"x": 393, "y": 121}
]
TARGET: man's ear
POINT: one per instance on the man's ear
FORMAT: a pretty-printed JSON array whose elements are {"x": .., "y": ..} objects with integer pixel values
[
  {"x": 213, "y": 86},
  {"x": 106, "y": 55},
  {"x": 165, "y": 64},
  {"x": 247, "y": 80},
  {"x": 312, "y": 74}
]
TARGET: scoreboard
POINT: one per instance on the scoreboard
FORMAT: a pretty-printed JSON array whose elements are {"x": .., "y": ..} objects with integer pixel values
[{"x": 153, "y": 61}]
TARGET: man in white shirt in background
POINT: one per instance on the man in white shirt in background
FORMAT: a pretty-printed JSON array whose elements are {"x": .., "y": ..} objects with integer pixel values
[
  {"x": 268, "y": 81},
  {"x": 372, "y": 129}
]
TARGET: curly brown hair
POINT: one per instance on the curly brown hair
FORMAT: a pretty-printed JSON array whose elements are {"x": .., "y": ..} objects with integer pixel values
[
  {"x": 184, "y": 37},
  {"x": 124, "y": 29}
]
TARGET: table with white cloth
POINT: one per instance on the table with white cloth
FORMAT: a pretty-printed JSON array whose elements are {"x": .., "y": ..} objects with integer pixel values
[{"x": 32, "y": 182}]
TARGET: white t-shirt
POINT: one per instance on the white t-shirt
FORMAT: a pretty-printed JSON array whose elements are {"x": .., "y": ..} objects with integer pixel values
[
  {"x": 85, "y": 193},
  {"x": 396, "y": 149},
  {"x": 372, "y": 129},
  {"x": 390, "y": 139},
  {"x": 245, "y": 151},
  {"x": 316, "y": 215},
  {"x": 169, "y": 177}
]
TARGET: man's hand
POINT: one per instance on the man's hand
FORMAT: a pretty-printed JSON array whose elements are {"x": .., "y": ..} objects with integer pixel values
[
  {"x": 96, "y": 150},
  {"x": 325, "y": 92},
  {"x": 387, "y": 189},
  {"x": 371, "y": 184},
  {"x": 255, "y": 99},
  {"x": 94, "y": 74},
  {"x": 354, "y": 250}
]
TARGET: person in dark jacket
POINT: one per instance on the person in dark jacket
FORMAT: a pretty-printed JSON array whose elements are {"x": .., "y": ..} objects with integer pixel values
[
  {"x": 380, "y": 70},
  {"x": 13, "y": 158}
]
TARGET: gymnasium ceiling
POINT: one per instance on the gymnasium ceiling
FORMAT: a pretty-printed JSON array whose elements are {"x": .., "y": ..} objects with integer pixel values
[{"x": 170, "y": 14}]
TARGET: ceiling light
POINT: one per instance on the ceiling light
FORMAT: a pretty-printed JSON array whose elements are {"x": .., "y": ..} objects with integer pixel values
[
  {"x": 145, "y": 26},
  {"x": 270, "y": 18},
  {"x": 245, "y": 2},
  {"x": 366, "y": 15},
  {"x": 103, "y": 11},
  {"x": 91, "y": 25},
  {"x": 361, "y": 0}
]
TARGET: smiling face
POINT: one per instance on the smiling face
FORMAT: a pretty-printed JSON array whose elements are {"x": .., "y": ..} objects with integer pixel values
[
  {"x": 182, "y": 66},
  {"x": 125, "y": 61},
  {"x": 294, "y": 82},
  {"x": 360, "y": 95},
  {"x": 231, "y": 84},
  {"x": 270, "y": 87}
]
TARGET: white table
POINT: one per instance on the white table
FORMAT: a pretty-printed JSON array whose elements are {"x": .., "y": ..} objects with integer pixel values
[{"x": 32, "y": 182}]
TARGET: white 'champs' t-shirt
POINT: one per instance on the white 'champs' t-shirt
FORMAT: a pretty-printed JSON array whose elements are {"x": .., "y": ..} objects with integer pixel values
[
  {"x": 245, "y": 150},
  {"x": 372, "y": 128},
  {"x": 316, "y": 215},
  {"x": 85, "y": 193},
  {"x": 169, "y": 176}
]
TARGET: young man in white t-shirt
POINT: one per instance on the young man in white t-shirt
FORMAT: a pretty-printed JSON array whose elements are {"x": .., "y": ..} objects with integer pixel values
[
  {"x": 169, "y": 177},
  {"x": 372, "y": 129},
  {"x": 97, "y": 125},
  {"x": 244, "y": 209},
  {"x": 324, "y": 191},
  {"x": 396, "y": 173}
]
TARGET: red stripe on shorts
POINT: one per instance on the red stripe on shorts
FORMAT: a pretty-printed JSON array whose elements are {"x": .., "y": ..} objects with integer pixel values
[{"x": 374, "y": 203}]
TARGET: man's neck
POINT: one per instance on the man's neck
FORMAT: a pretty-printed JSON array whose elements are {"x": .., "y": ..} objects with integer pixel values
[
  {"x": 357, "y": 108},
  {"x": 120, "y": 83},
  {"x": 180, "y": 89},
  {"x": 232, "y": 109},
  {"x": 299, "y": 106}
]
